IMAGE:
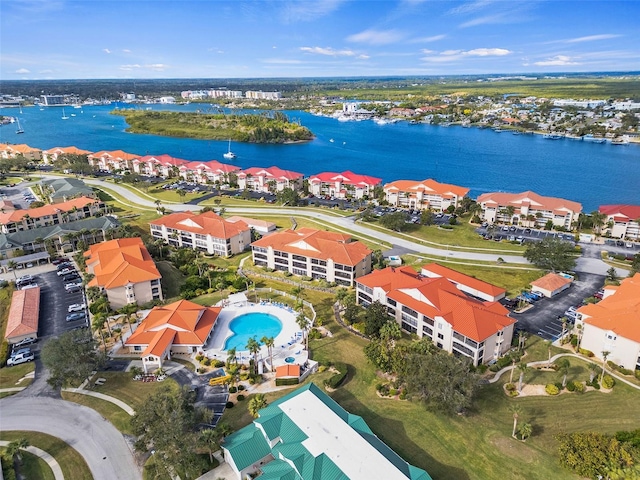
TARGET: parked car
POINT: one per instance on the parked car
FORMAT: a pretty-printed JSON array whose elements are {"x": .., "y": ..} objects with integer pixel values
[
  {"x": 76, "y": 307},
  {"x": 58, "y": 261},
  {"x": 25, "y": 341},
  {"x": 67, "y": 286},
  {"x": 66, "y": 271},
  {"x": 26, "y": 279},
  {"x": 21, "y": 358},
  {"x": 74, "y": 289},
  {"x": 72, "y": 277},
  {"x": 72, "y": 317},
  {"x": 628, "y": 245},
  {"x": 527, "y": 231},
  {"x": 20, "y": 351},
  {"x": 505, "y": 229},
  {"x": 27, "y": 287}
]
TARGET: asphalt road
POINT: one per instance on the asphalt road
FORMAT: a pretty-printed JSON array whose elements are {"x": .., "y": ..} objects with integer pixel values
[{"x": 104, "y": 448}]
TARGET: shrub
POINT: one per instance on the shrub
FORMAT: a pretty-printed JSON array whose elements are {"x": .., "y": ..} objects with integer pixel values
[
  {"x": 288, "y": 274},
  {"x": 578, "y": 386},
  {"x": 482, "y": 368},
  {"x": 608, "y": 382},
  {"x": 571, "y": 386},
  {"x": 586, "y": 352},
  {"x": 286, "y": 381},
  {"x": 335, "y": 380},
  {"x": 240, "y": 397},
  {"x": 403, "y": 395},
  {"x": 199, "y": 357},
  {"x": 4, "y": 352},
  {"x": 513, "y": 393},
  {"x": 510, "y": 387},
  {"x": 393, "y": 392},
  {"x": 574, "y": 341},
  {"x": 218, "y": 363},
  {"x": 206, "y": 362},
  {"x": 241, "y": 388},
  {"x": 233, "y": 389},
  {"x": 559, "y": 386},
  {"x": 229, "y": 404},
  {"x": 551, "y": 389}
]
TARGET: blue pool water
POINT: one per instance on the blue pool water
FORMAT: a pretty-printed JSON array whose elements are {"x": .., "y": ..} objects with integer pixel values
[
  {"x": 251, "y": 325},
  {"x": 289, "y": 359}
]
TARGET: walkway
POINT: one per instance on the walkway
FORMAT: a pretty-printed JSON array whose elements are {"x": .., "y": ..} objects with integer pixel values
[
  {"x": 52, "y": 462},
  {"x": 102, "y": 396}
]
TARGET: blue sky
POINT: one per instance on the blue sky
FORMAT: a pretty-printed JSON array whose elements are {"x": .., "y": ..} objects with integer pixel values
[{"x": 55, "y": 39}]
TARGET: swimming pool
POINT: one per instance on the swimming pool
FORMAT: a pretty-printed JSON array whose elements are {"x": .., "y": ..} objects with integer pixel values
[{"x": 254, "y": 324}]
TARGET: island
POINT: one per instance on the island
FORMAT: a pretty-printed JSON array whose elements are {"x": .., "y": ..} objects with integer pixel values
[{"x": 266, "y": 127}]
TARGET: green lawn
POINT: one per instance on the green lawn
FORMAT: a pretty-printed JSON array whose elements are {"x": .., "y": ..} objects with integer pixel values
[
  {"x": 121, "y": 386},
  {"x": 71, "y": 462},
  {"x": 512, "y": 279},
  {"x": 172, "y": 278},
  {"x": 9, "y": 376},
  {"x": 33, "y": 467},
  {"x": 117, "y": 416}
]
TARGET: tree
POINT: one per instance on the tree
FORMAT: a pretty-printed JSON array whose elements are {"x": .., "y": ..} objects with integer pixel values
[
  {"x": 396, "y": 221},
  {"x": 254, "y": 347},
  {"x": 375, "y": 318},
  {"x": 14, "y": 449},
  {"x": 341, "y": 295},
  {"x": 288, "y": 196},
  {"x": 209, "y": 439},
  {"x": 257, "y": 403},
  {"x": 548, "y": 344},
  {"x": 516, "y": 410},
  {"x": 269, "y": 342},
  {"x": 231, "y": 356},
  {"x": 612, "y": 274},
  {"x": 303, "y": 323},
  {"x": 181, "y": 193},
  {"x": 523, "y": 368},
  {"x": 563, "y": 367},
  {"x": 593, "y": 371},
  {"x": 551, "y": 254},
  {"x": 605, "y": 354},
  {"x": 12, "y": 265},
  {"x": 166, "y": 423},
  {"x": 426, "y": 217},
  {"x": 71, "y": 358},
  {"x": 525, "y": 431},
  {"x": 597, "y": 220}
]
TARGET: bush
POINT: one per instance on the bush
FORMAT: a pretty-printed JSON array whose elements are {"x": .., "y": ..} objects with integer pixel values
[
  {"x": 241, "y": 388},
  {"x": 336, "y": 380},
  {"x": 199, "y": 357},
  {"x": 403, "y": 395},
  {"x": 482, "y": 368},
  {"x": 240, "y": 397},
  {"x": 608, "y": 382},
  {"x": 4, "y": 352},
  {"x": 218, "y": 363},
  {"x": 551, "y": 389},
  {"x": 229, "y": 404},
  {"x": 393, "y": 392},
  {"x": 233, "y": 389},
  {"x": 206, "y": 362},
  {"x": 288, "y": 274},
  {"x": 585, "y": 352},
  {"x": 571, "y": 386},
  {"x": 578, "y": 386},
  {"x": 510, "y": 387},
  {"x": 286, "y": 381}
]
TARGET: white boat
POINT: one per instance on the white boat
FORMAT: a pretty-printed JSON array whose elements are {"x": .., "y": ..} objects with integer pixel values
[
  {"x": 64, "y": 117},
  {"x": 77, "y": 106},
  {"x": 590, "y": 138},
  {"x": 620, "y": 141},
  {"x": 331, "y": 140},
  {"x": 381, "y": 121},
  {"x": 552, "y": 136},
  {"x": 229, "y": 155},
  {"x": 19, "y": 129}
]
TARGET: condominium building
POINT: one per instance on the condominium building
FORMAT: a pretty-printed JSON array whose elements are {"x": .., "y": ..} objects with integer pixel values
[
  {"x": 343, "y": 185},
  {"x": 112, "y": 160},
  {"x": 20, "y": 150},
  {"x": 613, "y": 324},
  {"x": 625, "y": 220},
  {"x": 528, "y": 208},
  {"x": 272, "y": 179},
  {"x": 51, "y": 155},
  {"x": 260, "y": 95},
  {"x": 206, "y": 232},
  {"x": 318, "y": 254},
  {"x": 124, "y": 270},
  {"x": 208, "y": 172},
  {"x": 427, "y": 194},
  {"x": 61, "y": 190},
  {"x": 439, "y": 309}
]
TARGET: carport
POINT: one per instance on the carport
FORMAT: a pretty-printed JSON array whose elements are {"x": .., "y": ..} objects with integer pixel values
[
  {"x": 24, "y": 314},
  {"x": 551, "y": 284},
  {"x": 35, "y": 258}
]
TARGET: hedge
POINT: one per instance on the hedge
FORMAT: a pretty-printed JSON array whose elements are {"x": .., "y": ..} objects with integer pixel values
[
  {"x": 286, "y": 381},
  {"x": 551, "y": 389},
  {"x": 608, "y": 382},
  {"x": 337, "y": 379}
]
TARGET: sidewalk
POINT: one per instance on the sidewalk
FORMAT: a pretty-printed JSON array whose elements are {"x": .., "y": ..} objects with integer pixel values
[{"x": 52, "y": 462}]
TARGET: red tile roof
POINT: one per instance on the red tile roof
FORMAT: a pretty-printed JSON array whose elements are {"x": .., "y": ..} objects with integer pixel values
[
  {"x": 619, "y": 312},
  {"x": 551, "y": 282},
  {"x": 428, "y": 186},
  {"x": 439, "y": 297},
  {"x": 163, "y": 159},
  {"x": 458, "y": 277},
  {"x": 288, "y": 370},
  {"x": 180, "y": 323},
  {"x": 212, "y": 166},
  {"x": 271, "y": 172},
  {"x": 23, "y": 313},
  {"x": 318, "y": 244},
  {"x": 623, "y": 212},
  {"x": 45, "y": 210},
  {"x": 346, "y": 178},
  {"x": 207, "y": 223},
  {"x": 531, "y": 200},
  {"x": 119, "y": 262},
  {"x": 116, "y": 154},
  {"x": 66, "y": 151}
]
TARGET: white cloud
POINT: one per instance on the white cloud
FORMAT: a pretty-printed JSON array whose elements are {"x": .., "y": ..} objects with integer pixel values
[
  {"x": 130, "y": 67},
  {"x": 158, "y": 67},
  {"x": 376, "y": 37},
  {"x": 433, "y": 38},
  {"x": 592, "y": 38},
  {"x": 426, "y": 51},
  {"x": 126, "y": 50},
  {"x": 363, "y": 57},
  {"x": 46, "y": 71},
  {"x": 306, "y": 11},
  {"x": 451, "y": 52},
  {"x": 328, "y": 51},
  {"x": 106, "y": 50},
  {"x": 453, "y": 55},
  {"x": 22, "y": 71},
  {"x": 488, "y": 52},
  {"x": 470, "y": 7},
  {"x": 557, "y": 61}
]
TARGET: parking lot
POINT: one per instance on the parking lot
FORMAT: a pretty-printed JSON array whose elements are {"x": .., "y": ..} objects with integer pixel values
[
  {"x": 413, "y": 216},
  {"x": 520, "y": 234},
  {"x": 544, "y": 318},
  {"x": 21, "y": 197}
]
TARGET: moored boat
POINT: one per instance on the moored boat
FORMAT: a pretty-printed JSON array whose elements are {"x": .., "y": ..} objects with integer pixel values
[{"x": 590, "y": 138}]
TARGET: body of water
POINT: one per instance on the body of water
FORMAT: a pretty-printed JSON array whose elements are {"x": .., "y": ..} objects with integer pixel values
[
  {"x": 483, "y": 160},
  {"x": 249, "y": 325}
]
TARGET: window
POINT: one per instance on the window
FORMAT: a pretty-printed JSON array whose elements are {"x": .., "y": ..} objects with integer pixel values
[
  {"x": 259, "y": 256},
  {"x": 441, "y": 336},
  {"x": 427, "y": 331},
  {"x": 300, "y": 265},
  {"x": 300, "y": 258},
  {"x": 391, "y": 302},
  {"x": 409, "y": 311}
]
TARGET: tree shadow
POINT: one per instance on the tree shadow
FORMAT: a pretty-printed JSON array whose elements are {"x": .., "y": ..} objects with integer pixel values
[{"x": 400, "y": 441}]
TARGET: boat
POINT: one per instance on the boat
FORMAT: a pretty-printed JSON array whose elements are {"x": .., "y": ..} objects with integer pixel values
[
  {"x": 331, "y": 140},
  {"x": 413, "y": 122},
  {"x": 381, "y": 121},
  {"x": 499, "y": 130},
  {"x": 620, "y": 141},
  {"x": 19, "y": 129},
  {"x": 552, "y": 136},
  {"x": 77, "y": 106},
  {"x": 229, "y": 155},
  {"x": 64, "y": 117},
  {"x": 516, "y": 132},
  {"x": 590, "y": 138},
  {"x": 573, "y": 137},
  {"x": 73, "y": 114}
]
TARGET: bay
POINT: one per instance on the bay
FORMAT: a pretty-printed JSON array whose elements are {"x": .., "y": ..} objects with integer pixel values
[{"x": 482, "y": 160}]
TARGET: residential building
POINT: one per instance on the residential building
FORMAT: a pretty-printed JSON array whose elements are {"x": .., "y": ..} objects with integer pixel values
[
  {"x": 158, "y": 165},
  {"x": 625, "y": 220},
  {"x": 427, "y": 194},
  {"x": 24, "y": 314},
  {"x": 225, "y": 93},
  {"x": 437, "y": 309},
  {"x": 51, "y": 155},
  {"x": 208, "y": 172},
  {"x": 180, "y": 327},
  {"x": 59, "y": 190},
  {"x": 469, "y": 285},
  {"x": 21, "y": 150},
  {"x": 272, "y": 179},
  {"x": 306, "y": 435},
  {"x": 318, "y": 254},
  {"x": 551, "y": 284},
  {"x": 124, "y": 270},
  {"x": 528, "y": 208},
  {"x": 12, "y": 220},
  {"x": 260, "y": 95},
  {"x": 613, "y": 324},
  {"x": 261, "y": 226},
  {"x": 343, "y": 185},
  {"x": 207, "y": 232},
  {"x": 54, "y": 100},
  {"x": 112, "y": 160}
]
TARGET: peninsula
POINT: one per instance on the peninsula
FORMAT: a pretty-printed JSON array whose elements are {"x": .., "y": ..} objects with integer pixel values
[{"x": 268, "y": 127}]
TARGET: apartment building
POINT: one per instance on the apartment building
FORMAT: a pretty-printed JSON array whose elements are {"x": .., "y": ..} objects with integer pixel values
[
  {"x": 318, "y": 254},
  {"x": 206, "y": 232},
  {"x": 20, "y": 150},
  {"x": 124, "y": 270},
  {"x": 427, "y": 194},
  {"x": 260, "y": 95},
  {"x": 61, "y": 190},
  {"x": 51, "y": 155},
  {"x": 112, "y": 160},
  {"x": 528, "y": 208},
  {"x": 440, "y": 310},
  {"x": 625, "y": 220},
  {"x": 272, "y": 179},
  {"x": 207, "y": 172},
  {"x": 343, "y": 185}
]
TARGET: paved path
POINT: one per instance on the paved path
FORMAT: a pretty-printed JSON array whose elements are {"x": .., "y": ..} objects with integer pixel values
[
  {"x": 52, "y": 462},
  {"x": 102, "y": 396},
  {"x": 105, "y": 450}
]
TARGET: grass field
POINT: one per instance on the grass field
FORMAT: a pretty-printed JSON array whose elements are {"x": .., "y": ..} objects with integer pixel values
[
  {"x": 71, "y": 462},
  {"x": 172, "y": 278},
  {"x": 117, "y": 416},
  {"x": 9, "y": 376},
  {"x": 33, "y": 467},
  {"x": 121, "y": 386}
]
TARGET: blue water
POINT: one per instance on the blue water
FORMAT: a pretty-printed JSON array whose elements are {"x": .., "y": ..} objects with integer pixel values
[
  {"x": 483, "y": 160},
  {"x": 251, "y": 325}
]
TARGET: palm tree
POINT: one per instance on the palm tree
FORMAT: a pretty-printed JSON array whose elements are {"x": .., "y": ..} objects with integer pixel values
[
  {"x": 303, "y": 323},
  {"x": 269, "y": 343},
  {"x": 605, "y": 354},
  {"x": 158, "y": 203},
  {"x": 549, "y": 343},
  {"x": 257, "y": 403},
  {"x": 298, "y": 291},
  {"x": 231, "y": 356},
  {"x": 525, "y": 431},
  {"x": 341, "y": 294},
  {"x": 516, "y": 410},
  {"x": 522, "y": 340},
  {"x": 98, "y": 324},
  {"x": 14, "y": 448},
  {"x": 524, "y": 368},
  {"x": 209, "y": 439},
  {"x": 597, "y": 220},
  {"x": 254, "y": 347},
  {"x": 563, "y": 367},
  {"x": 593, "y": 371},
  {"x": 12, "y": 265},
  {"x": 513, "y": 367}
]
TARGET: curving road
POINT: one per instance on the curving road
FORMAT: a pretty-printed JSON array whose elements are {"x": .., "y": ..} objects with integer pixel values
[{"x": 92, "y": 436}]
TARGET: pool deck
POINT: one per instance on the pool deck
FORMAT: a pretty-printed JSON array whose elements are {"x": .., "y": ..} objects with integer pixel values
[{"x": 288, "y": 343}]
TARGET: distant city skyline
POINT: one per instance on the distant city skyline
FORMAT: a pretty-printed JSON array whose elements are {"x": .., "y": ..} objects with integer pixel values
[{"x": 82, "y": 39}]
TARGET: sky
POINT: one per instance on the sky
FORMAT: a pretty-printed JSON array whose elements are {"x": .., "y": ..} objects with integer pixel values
[{"x": 84, "y": 39}]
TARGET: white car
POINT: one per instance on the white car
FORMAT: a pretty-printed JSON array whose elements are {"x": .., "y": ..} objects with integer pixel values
[
  {"x": 25, "y": 279},
  {"x": 20, "y": 358},
  {"x": 69, "y": 286},
  {"x": 66, "y": 271},
  {"x": 31, "y": 285},
  {"x": 77, "y": 307}
]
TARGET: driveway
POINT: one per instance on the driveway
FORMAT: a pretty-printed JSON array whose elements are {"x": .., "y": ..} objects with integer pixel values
[
  {"x": 543, "y": 320},
  {"x": 105, "y": 450},
  {"x": 214, "y": 398}
]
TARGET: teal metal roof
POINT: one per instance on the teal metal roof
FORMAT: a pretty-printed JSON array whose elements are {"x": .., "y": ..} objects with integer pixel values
[
  {"x": 278, "y": 470},
  {"x": 296, "y": 453},
  {"x": 247, "y": 446},
  {"x": 322, "y": 468}
]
